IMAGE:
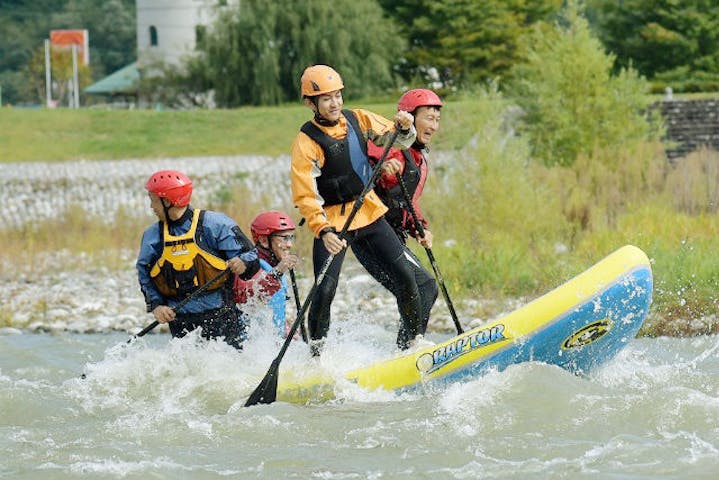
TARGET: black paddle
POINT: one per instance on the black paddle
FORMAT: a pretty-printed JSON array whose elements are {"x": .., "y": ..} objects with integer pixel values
[
  {"x": 266, "y": 391},
  {"x": 437, "y": 274},
  {"x": 303, "y": 326},
  {"x": 182, "y": 303}
]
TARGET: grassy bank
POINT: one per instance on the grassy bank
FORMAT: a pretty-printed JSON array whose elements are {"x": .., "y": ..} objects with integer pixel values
[
  {"x": 57, "y": 135},
  {"x": 504, "y": 225}
]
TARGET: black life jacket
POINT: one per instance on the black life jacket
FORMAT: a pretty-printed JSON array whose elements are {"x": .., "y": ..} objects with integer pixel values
[
  {"x": 346, "y": 168},
  {"x": 394, "y": 198}
]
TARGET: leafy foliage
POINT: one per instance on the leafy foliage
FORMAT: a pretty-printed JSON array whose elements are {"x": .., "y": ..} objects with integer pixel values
[
  {"x": 111, "y": 25},
  {"x": 256, "y": 54},
  {"x": 62, "y": 73},
  {"x": 490, "y": 189},
  {"x": 26, "y": 23},
  {"x": 572, "y": 103},
  {"x": 671, "y": 42},
  {"x": 465, "y": 42}
]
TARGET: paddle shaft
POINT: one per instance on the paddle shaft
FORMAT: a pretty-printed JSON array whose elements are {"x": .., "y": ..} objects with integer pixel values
[
  {"x": 420, "y": 230},
  {"x": 266, "y": 391},
  {"x": 304, "y": 331},
  {"x": 182, "y": 303}
]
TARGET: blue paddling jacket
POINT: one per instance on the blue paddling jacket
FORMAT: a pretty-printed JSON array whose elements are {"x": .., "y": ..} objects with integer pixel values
[{"x": 216, "y": 234}]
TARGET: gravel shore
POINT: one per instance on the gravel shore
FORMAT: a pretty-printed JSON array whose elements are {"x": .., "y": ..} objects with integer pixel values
[
  {"x": 65, "y": 292},
  {"x": 83, "y": 296}
]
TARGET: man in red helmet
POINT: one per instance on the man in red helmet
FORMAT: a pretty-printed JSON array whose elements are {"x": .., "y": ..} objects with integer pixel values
[
  {"x": 274, "y": 235},
  {"x": 182, "y": 252},
  {"x": 411, "y": 163},
  {"x": 328, "y": 172}
]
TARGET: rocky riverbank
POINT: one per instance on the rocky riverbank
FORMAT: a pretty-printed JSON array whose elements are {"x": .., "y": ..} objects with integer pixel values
[
  {"x": 63, "y": 292},
  {"x": 60, "y": 291}
]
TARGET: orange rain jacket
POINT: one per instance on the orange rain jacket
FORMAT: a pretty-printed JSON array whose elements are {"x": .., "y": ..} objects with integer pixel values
[{"x": 308, "y": 159}]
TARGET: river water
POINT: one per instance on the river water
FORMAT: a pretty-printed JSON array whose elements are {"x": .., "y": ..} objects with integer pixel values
[
  {"x": 173, "y": 409},
  {"x": 160, "y": 408}
]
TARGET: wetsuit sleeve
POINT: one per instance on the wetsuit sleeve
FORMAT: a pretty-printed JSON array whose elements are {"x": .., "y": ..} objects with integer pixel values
[
  {"x": 268, "y": 285},
  {"x": 412, "y": 229},
  {"x": 418, "y": 211},
  {"x": 241, "y": 290},
  {"x": 379, "y": 130},
  {"x": 418, "y": 157},
  {"x": 150, "y": 252},
  {"x": 307, "y": 161}
]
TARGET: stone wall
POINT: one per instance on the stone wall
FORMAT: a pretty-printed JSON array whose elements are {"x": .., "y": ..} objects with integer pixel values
[{"x": 691, "y": 124}]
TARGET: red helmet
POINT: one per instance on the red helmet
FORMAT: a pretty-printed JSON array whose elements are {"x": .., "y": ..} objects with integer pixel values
[
  {"x": 267, "y": 223},
  {"x": 172, "y": 185},
  {"x": 419, "y": 97}
]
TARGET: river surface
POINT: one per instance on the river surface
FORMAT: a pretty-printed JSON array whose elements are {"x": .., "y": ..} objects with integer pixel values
[
  {"x": 160, "y": 408},
  {"x": 173, "y": 409}
]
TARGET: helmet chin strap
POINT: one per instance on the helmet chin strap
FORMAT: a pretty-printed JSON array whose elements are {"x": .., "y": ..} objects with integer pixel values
[
  {"x": 166, "y": 206},
  {"x": 319, "y": 118},
  {"x": 270, "y": 253},
  {"x": 324, "y": 122},
  {"x": 417, "y": 145}
]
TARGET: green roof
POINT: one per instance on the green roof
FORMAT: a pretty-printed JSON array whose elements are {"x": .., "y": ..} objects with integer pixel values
[{"x": 123, "y": 81}]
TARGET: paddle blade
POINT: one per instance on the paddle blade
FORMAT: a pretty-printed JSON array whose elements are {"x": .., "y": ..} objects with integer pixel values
[{"x": 266, "y": 391}]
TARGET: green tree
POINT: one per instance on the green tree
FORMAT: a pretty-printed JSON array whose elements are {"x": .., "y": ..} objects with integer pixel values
[
  {"x": 571, "y": 101},
  {"x": 256, "y": 54},
  {"x": 671, "y": 42},
  {"x": 111, "y": 28},
  {"x": 25, "y": 24},
  {"x": 62, "y": 73},
  {"x": 463, "y": 42}
]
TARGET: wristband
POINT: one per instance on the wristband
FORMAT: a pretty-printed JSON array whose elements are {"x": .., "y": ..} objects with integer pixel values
[
  {"x": 152, "y": 305},
  {"x": 327, "y": 230}
]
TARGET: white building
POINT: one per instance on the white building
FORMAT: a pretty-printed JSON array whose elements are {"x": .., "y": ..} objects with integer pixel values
[{"x": 167, "y": 30}]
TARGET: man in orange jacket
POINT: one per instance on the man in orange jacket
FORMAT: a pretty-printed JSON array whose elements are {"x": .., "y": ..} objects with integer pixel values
[{"x": 329, "y": 170}]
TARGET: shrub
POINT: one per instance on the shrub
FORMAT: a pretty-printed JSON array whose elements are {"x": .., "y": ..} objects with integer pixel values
[
  {"x": 572, "y": 103},
  {"x": 693, "y": 183},
  {"x": 503, "y": 223}
]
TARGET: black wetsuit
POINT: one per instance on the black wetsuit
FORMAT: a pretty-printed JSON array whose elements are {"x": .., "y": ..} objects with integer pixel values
[{"x": 380, "y": 252}]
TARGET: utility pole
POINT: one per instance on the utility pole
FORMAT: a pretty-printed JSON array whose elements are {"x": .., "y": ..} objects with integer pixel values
[
  {"x": 76, "y": 83},
  {"x": 48, "y": 79}
]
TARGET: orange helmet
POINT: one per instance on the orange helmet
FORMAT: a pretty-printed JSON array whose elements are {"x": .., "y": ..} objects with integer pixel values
[
  {"x": 172, "y": 185},
  {"x": 320, "y": 79}
]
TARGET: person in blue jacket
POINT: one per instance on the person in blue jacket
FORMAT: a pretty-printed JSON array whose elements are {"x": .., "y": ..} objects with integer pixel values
[
  {"x": 182, "y": 252},
  {"x": 274, "y": 235}
]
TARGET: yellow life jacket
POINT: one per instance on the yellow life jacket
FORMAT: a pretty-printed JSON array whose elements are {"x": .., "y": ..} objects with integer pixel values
[{"x": 184, "y": 266}]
